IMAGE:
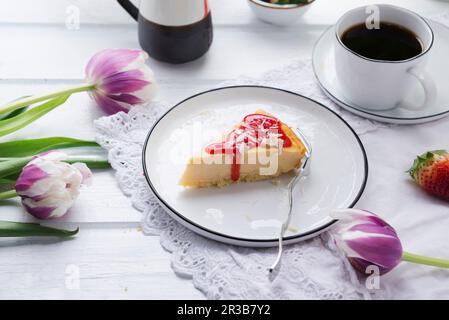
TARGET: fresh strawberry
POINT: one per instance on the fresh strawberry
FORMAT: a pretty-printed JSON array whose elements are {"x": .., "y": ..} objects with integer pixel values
[{"x": 431, "y": 171}]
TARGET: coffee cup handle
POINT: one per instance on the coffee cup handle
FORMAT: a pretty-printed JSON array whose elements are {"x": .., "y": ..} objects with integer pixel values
[{"x": 427, "y": 83}]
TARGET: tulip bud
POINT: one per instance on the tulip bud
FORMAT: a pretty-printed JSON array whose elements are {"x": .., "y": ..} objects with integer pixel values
[
  {"x": 121, "y": 79},
  {"x": 366, "y": 240},
  {"x": 48, "y": 187}
]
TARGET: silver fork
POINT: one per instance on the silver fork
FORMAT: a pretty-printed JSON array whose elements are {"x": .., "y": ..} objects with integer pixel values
[{"x": 302, "y": 172}]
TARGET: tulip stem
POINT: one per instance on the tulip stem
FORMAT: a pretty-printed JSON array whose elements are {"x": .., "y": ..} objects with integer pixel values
[
  {"x": 17, "y": 104},
  {"x": 8, "y": 194},
  {"x": 414, "y": 258}
]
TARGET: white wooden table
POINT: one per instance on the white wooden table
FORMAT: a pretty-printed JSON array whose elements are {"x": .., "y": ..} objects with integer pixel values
[{"x": 110, "y": 255}]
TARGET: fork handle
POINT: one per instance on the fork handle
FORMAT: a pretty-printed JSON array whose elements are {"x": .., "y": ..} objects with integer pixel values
[{"x": 286, "y": 223}]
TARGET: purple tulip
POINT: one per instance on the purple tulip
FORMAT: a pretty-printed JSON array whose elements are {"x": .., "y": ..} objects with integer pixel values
[
  {"x": 49, "y": 187},
  {"x": 121, "y": 79},
  {"x": 366, "y": 240},
  {"x": 116, "y": 79}
]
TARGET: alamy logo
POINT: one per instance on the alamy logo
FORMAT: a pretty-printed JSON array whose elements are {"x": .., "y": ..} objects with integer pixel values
[
  {"x": 72, "y": 277},
  {"x": 373, "y": 19},
  {"x": 249, "y": 146},
  {"x": 72, "y": 21},
  {"x": 373, "y": 279}
]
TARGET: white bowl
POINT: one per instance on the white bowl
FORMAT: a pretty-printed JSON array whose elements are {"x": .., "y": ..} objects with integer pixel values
[{"x": 279, "y": 14}]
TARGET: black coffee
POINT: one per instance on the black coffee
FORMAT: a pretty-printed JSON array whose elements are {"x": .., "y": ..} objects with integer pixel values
[{"x": 391, "y": 42}]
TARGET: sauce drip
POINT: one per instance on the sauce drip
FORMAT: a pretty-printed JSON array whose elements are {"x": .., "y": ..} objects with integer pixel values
[{"x": 255, "y": 130}]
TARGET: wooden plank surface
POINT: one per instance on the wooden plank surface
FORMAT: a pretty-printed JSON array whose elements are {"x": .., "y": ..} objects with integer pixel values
[{"x": 39, "y": 53}]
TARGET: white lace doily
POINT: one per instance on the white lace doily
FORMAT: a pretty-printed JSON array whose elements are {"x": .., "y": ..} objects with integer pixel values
[{"x": 309, "y": 270}]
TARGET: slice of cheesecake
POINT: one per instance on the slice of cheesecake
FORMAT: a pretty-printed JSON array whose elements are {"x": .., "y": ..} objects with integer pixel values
[{"x": 260, "y": 147}]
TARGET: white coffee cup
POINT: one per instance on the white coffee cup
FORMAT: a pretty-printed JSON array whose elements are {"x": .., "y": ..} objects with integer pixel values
[{"x": 380, "y": 84}]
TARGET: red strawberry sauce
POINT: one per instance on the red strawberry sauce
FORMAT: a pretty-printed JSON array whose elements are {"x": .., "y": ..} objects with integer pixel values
[{"x": 250, "y": 134}]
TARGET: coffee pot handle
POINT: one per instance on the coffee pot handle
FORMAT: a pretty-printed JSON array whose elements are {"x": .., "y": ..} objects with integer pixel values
[{"x": 130, "y": 8}]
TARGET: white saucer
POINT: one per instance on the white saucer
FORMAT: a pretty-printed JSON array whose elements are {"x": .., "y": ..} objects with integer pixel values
[
  {"x": 324, "y": 68},
  {"x": 251, "y": 214}
]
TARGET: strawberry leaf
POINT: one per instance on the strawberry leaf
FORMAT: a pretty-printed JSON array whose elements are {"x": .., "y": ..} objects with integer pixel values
[{"x": 423, "y": 160}]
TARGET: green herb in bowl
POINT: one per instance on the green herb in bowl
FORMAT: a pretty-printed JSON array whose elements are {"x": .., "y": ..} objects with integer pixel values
[{"x": 288, "y": 1}]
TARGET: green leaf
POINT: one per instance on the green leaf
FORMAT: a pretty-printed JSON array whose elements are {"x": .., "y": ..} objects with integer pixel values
[
  {"x": 423, "y": 160},
  {"x": 10, "y": 168},
  {"x": 288, "y": 1},
  {"x": 31, "y": 147},
  {"x": 13, "y": 166},
  {"x": 7, "y": 181},
  {"x": 18, "y": 229},
  {"x": 91, "y": 162},
  {"x": 30, "y": 100},
  {"x": 7, "y": 184},
  {"x": 8, "y": 194},
  {"x": 18, "y": 122},
  {"x": 13, "y": 113},
  {"x": 11, "y": 177}
]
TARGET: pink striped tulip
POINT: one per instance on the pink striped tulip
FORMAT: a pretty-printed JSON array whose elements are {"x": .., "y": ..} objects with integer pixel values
[
  {"x": 121, "y": 79},
  {"x": 48, "y": 187},
  {"x": 366, "y": 240}
]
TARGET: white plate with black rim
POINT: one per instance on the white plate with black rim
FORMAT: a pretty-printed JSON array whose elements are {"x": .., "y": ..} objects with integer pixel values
[
  {"x": 251, "y": 214},
  {"x": 324, "y": 68}
]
